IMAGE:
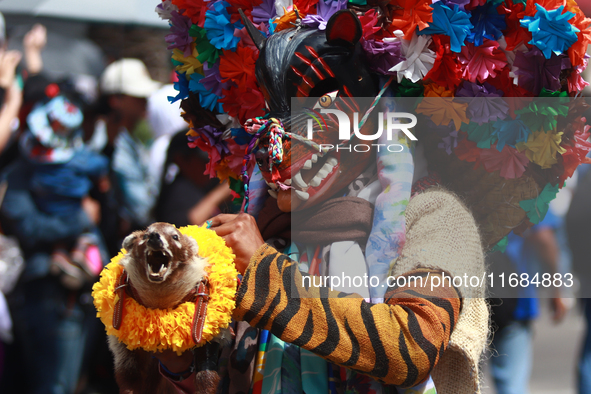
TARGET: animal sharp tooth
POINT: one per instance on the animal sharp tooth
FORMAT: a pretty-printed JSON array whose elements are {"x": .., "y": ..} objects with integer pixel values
[
  {"x": 272, "y": 185},
  {"x": 273, "y": 193},
  {"x": 314, "y": 158},
  {"x": 315, "y": 181},
  {"x": 332, "y": 161},
  {"x": 287, "y": 182},
  {"x": 307, "y": 165},
  {"x": 327, "y": 166},
  {"x": 302, "y": 195},
  {"x": 299, "y": 181}
]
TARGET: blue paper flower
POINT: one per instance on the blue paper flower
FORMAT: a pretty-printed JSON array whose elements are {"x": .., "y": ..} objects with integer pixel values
[
  {"x": 487, "y": 23},
  {"x": 551, "y": 31},
  {"x": 220, "y": 31},
  {"x": 510, "y": 132},
  {"x": 454, "y": 23},
  {"x": 207, "y": 98},
  {"x": 182, "y": 86}
]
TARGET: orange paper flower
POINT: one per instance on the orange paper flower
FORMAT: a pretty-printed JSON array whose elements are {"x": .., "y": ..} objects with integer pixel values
[{"x": 412, "y": 14}]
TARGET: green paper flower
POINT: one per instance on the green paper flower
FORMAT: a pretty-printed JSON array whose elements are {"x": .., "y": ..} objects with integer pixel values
[
  {"x": 207, "y": 52},
  {"x": 536, "y": 208}
]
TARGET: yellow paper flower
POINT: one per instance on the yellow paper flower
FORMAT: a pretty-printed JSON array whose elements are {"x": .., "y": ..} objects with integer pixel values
[
  {"x": 159, "y": 329},
  {"x": 190, "y": 64},
  {"x": 541, "y": 148}
]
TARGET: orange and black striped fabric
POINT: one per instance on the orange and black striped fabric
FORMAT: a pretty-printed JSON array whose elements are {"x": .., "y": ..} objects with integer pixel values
[{"x": 398, "y": 342}]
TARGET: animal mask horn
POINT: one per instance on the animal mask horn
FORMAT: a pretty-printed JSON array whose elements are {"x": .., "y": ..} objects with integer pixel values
[{"x": 257, "y": 37}]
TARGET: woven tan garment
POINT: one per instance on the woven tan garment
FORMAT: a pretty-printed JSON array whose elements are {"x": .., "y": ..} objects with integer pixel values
[{"x": 441, "y": 233}]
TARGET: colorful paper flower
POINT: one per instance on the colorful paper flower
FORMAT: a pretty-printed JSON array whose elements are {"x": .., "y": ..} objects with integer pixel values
[
  {"x": 245, "y": 5},
  {"x": 315, "y": 21},
  {"x": 487, "y": 23},
  {"x": 537, "y": 208},
  {"x": 326, "y": 8},
  {"x": 409, "y": 15},
  {"x": 483, "y": 61},
  {"x": 577, "y": 51},
  {"x": 575, "y": 82},
  {"x": 469, "y": 152},
  {"x": 460, "y": 3},
  {"x": 510, "y": 132},
  {"x": 181, "y": 86},
  {"x": 419, "y": 59},
  {"x": 541, "y": 114},
  {"x": 305, "y": 6},
  {"x": 194, "y": 9},
  {"x": 206, "y": 52},
  {"x": 509, "y": 161},
  {"x": 449, "y": 138},
  {"x": 209, "y": 92},
  {"x": 484, "y": 102},
  {"x": 551, "y": 31},
  {"x": 179, "y": 33},
  {"x": 446, "y": 70},
  {"x": 383, "y": 55},
  {"x": 536, "y": 72},
  {"x": 482, "y": 134},
  {"x": 514, "y": 34},
  {"x": 542, "y": 147},
  {"x": 239, "y": 67},
  {"x": 440, "y": 106},
  {"x": 451, "y": 22},
  {"x": 165, "y": 9},
  {"x": 369, "y": 24},
  {"x": 243, "y": 103},
  {"x": 263, "y": 12},
  {"x": 577, "y": 148},
  {"x": 287, "y": 20},
  {"x": 187, "y": 64},
  {"x": 219, "y": 28}
]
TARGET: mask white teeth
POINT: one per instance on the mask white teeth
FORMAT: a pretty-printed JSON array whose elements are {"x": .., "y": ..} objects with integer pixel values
[
  {"x": 299, "y": 181},
  {"x": 322, "y": 173},
  {"x": 287, "y": 182},
  {"x": 272, "y": 193},
  {"x": 314, "y": 158},
  {"x": 272, "y": 185},
  {"x": 307, "y": 165},
  {"x": 302, "y": 195},
  {"x": 315, "y": 181},
  {"x": 332, "y": 161}
]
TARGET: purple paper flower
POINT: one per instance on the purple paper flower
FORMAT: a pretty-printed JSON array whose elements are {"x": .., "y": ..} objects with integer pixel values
[
  {"x": 179, "y": 33},
  {"x": 484, "y": 102},
  {"x": 264, "y": 11},
  {"x": 449, "y": 137},
  {"x": 383, "y": 55},
  {"x": 460, "y": 3},
  {"x": 315, "y": 21},
  {"x": 536, "y": 72},
  {"x": 214, "y": 136},
  {"x": 165, "y": 9},
  {"x": 327, "y": 8}
]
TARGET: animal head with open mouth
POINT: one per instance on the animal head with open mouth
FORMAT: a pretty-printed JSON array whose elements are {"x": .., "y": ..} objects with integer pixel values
[{"x": 159, "y": 253}]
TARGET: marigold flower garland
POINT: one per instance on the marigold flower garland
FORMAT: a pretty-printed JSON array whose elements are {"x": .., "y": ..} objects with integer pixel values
[{"x": 158, "y": 329}]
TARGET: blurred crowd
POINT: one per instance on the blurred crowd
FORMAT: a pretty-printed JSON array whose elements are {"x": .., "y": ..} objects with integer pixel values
[{"x": 79, "y": 172}]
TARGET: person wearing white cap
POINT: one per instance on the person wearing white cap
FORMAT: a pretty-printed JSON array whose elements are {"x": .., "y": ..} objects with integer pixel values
[{"x": 125, "y": 86}]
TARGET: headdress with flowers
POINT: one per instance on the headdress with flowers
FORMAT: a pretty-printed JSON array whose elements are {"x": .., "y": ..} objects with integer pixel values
[{"x": 447, "y": 49}]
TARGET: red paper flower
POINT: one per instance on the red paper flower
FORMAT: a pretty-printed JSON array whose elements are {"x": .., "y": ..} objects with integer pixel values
[
  {"x": 238, "y": 66},
  {"x": 575, "y": 82},
  {"x": 446, "y": 70},
  {"x": 194, "y": 9},
  {"x": 369, "y": 20},
  {"x": 576, "y": 52},
  {"x": 468, "y": 151},
  {"x": 243, "y": 103},
  {"x": 412, "y": 14},
  {"x": 482, "y": 61},
  {"x": 577, "y": 149},
  {"x": 514, "y": 34},
  {"x": 510, "y": 162},
  {"x": 516, "y": 97},
  {"x": 306, "y": 6},
  {"x": 244, "y": 4}
]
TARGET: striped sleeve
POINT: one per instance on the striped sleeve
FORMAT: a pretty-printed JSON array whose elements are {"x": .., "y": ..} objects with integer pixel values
[{"x": 398, "y": 342}]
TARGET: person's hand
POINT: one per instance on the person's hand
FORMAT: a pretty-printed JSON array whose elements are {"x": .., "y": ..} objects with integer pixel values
[
  {"x": 241, "y": 234},
  {"x": 173, "y": 362},
  {"x": 14, "y": 99},
  {"x": 34, "y": 42},
  {"x": 8, "y": 62},
  {"x": 35, "y": 39}
]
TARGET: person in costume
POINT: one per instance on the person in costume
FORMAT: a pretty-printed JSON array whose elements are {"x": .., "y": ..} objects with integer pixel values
[{"x": 378, "y": 213}]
